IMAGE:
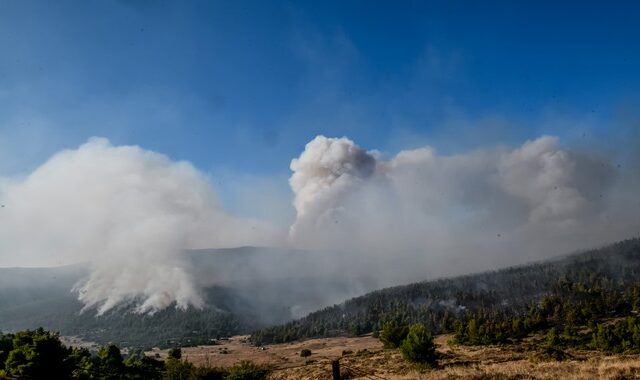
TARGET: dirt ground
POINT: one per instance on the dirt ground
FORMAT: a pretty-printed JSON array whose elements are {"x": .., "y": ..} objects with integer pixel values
[
  {"x": 280, "y": 356},
  {"x": 364, "y": 358}
]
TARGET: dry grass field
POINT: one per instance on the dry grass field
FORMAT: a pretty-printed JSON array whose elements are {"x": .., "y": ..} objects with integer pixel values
[{"x": 364, "y": 358}]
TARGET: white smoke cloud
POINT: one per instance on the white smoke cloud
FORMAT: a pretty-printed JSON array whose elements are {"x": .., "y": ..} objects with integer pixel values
[
  {"x": 129, "y": 212},
  {"x": 328, "y": 170},
  {"x": 555, "y": 184},
  {"x": 455, "y": 213}
]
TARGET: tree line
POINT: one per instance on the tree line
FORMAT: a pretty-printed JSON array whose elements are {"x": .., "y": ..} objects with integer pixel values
[{"x": 39, "y": 354}]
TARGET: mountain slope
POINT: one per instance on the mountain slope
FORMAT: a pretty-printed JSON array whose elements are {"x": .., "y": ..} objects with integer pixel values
[
  {"x": 244, "y": 289},
  {"x": 248, "y": 289},
  {"x": 436, "y": 303}
]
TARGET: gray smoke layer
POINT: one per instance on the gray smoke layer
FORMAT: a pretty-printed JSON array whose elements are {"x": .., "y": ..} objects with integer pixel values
[
  {"x": 129, "y": 213},
  {"x": 420, "y": 214}
]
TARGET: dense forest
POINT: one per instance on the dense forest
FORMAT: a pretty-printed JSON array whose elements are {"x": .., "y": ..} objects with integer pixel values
[{"x": 592, "y": 287}]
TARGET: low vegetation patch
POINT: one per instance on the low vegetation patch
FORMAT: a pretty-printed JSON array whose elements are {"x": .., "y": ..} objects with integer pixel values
[
  {"x": 246, "y": 370},
  {"x": 393, "y": 334},
  {"x": 415, "y": 343},
  {"x": 418, "y": 347},
  {"x": 305, "y": 352}
]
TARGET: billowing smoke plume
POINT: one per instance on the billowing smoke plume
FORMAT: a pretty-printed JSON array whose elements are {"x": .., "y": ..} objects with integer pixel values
[
  {"x": 128, "y": 212},
  {"x": 327, "y": 172},
  {"x": 423, "y": 214},
  {"x": 131, "y": 213}
]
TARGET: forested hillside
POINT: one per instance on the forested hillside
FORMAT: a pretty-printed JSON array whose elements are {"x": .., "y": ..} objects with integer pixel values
[
  {"x": 58, "y": 310},
  {"x": 591, "y": 285},
  {"x": 42, "y": 297},
  {"x": 595, "y": 284},
  {"x": 244, "y": 289}
]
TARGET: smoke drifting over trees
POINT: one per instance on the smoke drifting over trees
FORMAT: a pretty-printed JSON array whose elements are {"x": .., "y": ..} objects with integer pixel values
[
  {"x": 460, "y": 212},
  {"x": 127, "y": 211},
  {"x": 131, "y": 213}
]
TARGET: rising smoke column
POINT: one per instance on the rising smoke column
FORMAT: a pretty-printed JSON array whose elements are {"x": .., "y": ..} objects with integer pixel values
[
  {"x": 328, "y": 170},
  {"x": 128, "y": 212}
]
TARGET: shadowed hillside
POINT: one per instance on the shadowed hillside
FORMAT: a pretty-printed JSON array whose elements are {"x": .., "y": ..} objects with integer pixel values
[{"x": 244, "y": 289}]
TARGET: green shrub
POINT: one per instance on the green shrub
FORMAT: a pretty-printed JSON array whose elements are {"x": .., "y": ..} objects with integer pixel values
[
  {"x": 552, "y": 339},
  {"x": 305, "y": 352},
  {"x": 175, "y": 353},
  {"x": 552, "y": 353},
  {"x": 36, "y": 354},
  {"x": 418, "y": 347},
  {"x": 140, "y": 366},
  {"x": 246, "y": 370},
  {"x": 204, "y": 373},
  {"x": 393, "y": 334},
  {"x": 176, "y": 369}
]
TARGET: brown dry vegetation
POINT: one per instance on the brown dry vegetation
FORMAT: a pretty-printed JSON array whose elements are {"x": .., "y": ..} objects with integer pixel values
[{"x": 367, "y": 360}]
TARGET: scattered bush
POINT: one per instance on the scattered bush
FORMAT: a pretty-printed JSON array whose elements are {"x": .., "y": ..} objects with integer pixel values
[
  {"x": 305, "y": 352},
  {"x": 393, "y": 334},
  {"x": 621, "y": 336},
  {"x": 175, "y": 353},
  {"x": 246, "y": 370},
  {"x": 550, "y": 353},
  {"x": 205, "y": 373},
  {"x": 418, "y": 347},
  {"x": 178, "y": 369},
  {"x": 552, "y": 339}
]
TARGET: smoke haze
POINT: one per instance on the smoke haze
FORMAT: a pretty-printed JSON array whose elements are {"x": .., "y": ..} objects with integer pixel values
[
  {"x": 421, "y": 214},
  {"x": 130, "y": 214}
]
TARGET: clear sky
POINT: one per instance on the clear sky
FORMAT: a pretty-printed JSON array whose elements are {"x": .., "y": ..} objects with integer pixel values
[{"x": 241, "y": 86}]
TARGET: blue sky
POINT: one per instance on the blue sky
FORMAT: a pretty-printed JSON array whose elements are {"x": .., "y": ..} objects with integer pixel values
[{"x": 238, "y": 87}]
